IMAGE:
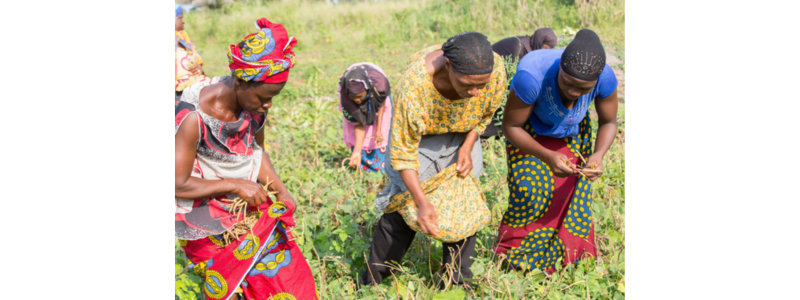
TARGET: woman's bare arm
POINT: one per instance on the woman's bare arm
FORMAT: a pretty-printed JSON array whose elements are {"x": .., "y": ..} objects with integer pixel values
[
  {"x": 515, "y": 115},
  {"x": 189, "y": 187}
]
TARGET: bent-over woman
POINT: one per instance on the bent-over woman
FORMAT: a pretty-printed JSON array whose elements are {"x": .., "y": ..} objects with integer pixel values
[
  {"x": 513, "y": 49},
  {"x": 444, "y": 101},
  {"x": 548, "y": 130},
  {"x": 516, "y": 47},
  {"x": 219, "y": 130},
  {"x": 365, "y": 103}
]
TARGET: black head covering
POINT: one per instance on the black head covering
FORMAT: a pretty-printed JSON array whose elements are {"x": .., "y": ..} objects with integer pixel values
[
  {"x": 469, "y": 53},
  {"x": 543, "y": 36},
  {"x": 356, "y": 81},
  {"x": 584, "y": 57}
]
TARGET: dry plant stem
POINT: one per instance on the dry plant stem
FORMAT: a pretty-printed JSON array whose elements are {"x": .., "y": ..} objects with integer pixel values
[
  {"x": 396, "y": 287},
  {"x": 238, "y": 207},
  {"x": 322, "y": 267},
  {"x": 581, "y": 156},
  {"x": 571, "y": 285},
  {"x": 344, "y": 160},
  {"x": 393, "y": 268}
]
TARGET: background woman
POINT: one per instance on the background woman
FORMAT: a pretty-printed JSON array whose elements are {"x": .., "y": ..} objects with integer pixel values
[
  {"x": 365, "y": 103},
  {"x": 188, "y": 63},
  {"x": 219, "y": 130},
  {"x": 549, "y": 134},
  {"x": 517, "y": 46},
  {"x": 512, "y": 50}
]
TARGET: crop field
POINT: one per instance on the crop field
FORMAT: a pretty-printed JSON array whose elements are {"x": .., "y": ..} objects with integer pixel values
[{"x": 336, "y": 214}]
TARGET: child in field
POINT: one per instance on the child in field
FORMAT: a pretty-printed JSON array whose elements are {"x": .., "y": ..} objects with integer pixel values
[
  {"x": 551, "y": 158},
  {"x": 365, "y": 103}
]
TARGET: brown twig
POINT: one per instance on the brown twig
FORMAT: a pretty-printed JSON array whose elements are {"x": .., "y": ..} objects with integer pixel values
[
  {"x": 581, "y": 156},
  {"x": 238, "y": 207},
  {"x": 344, "y": 160}
]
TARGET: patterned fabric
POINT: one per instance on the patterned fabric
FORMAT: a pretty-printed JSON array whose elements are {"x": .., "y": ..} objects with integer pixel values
[
  {"x": 265, "y": 263},
  {"x": 186, "y": 57},
  {"x": 436, "y": 152},
  {"x": 265, "y": 56},
  {"x": 548, "y": 217},
  {"x": 226, "y": 150},
  {"x": 373, "y": 160},
  {"x": 182, "y": 40},
  {"x": 459, "y": 203},
  {"x": 421, "y": 110}
]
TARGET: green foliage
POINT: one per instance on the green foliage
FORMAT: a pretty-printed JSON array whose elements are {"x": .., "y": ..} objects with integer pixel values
[
  {"x": 187, "y": 284},
  {"x": 330, "y": 37},
  {"x": 336, "y": 215}
]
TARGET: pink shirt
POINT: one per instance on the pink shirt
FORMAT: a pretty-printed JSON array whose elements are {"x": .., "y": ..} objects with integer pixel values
[{"x": 369, "y": 136}]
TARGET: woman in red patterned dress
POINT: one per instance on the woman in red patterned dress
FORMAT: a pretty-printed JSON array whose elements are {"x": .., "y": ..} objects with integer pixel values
[{"x": 219, "y": 130}]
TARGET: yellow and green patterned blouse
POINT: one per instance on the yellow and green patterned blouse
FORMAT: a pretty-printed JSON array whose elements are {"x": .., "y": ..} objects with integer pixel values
[{"x": 421, "y": 110}]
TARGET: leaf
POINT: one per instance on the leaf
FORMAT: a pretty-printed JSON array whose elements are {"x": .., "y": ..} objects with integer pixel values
[
  {"x": 477, "y": 270},
  {"x": 350, "y": 230},
  {"x": 534, "y": 272},
  {"x": 193, "y": 277},
  {"x": 621, "y": 287},
  {"x": 346, "y": 208},
  {"x": 398, "y": 288},
  {"x": 451, "y": 295}
]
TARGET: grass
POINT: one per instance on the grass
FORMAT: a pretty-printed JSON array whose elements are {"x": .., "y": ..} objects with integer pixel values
[{"x": 336, "y": 214}]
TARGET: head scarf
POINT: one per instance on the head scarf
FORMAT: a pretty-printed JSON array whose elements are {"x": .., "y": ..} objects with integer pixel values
[
  {"x": 543, "y": 36},
  {"x": 265, "y": 56},
  {"x": 178, "y": 10},
  {"x": 584, "y": 57},
  {"x": 469, "y": 53},
  {"x": 355, "y": 81}
]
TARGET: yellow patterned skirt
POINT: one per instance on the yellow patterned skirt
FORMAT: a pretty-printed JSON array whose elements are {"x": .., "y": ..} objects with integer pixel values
[{"x": 459, "y": 203}]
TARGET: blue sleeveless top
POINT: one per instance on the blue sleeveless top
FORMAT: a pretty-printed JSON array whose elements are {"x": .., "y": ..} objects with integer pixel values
[{"x": 536, "y": 83}]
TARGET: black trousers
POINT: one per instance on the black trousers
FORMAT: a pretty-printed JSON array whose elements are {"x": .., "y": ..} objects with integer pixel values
[{"x": 391, "y": 241}]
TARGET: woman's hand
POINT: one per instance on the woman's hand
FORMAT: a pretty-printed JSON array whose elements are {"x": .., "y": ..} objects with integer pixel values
[
  {"x": 285, "y": 197},
  {"x": 196, "y": 69},
  {"x": 378, "y": 137},
  {"x": 464, "y": 165},
  {"x": 594, "y": 167},
  {"x": 250, "y": 191},
  {"x": 426, "y": 218},
  {"x": 355, "y": 159},
  {"x": 557, "y": 162}
]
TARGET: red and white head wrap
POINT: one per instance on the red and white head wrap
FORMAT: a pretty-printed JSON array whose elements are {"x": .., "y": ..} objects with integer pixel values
[{"x": 265, "y": 56}]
